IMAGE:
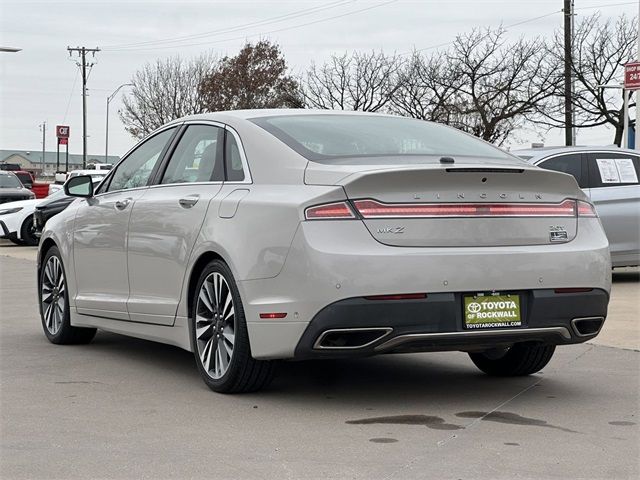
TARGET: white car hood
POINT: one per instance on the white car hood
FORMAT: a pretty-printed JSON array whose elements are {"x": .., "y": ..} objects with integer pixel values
[{"x": 21, "y": 203}]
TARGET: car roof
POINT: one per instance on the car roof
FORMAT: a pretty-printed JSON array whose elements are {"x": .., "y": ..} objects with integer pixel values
[
  {"x": 536, "y": 154},
  {"x": 273, "y": 112}
]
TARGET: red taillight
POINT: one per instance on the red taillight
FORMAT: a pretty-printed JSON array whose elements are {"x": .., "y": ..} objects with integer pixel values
[
  {"x": 333, "y": 211},
  {"x": 572, "y": 290},
  {"x": 374, "y": 209},
  {"x": 273, "y": 315},
  {"x": 401, "y": 296},
  {"x": 585, "y": 209}
]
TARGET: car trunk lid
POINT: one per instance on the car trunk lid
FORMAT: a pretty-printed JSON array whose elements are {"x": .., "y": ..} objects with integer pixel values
[{"x": 462, "y": 204}]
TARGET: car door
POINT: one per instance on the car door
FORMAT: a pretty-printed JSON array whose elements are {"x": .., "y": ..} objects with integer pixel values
[
  {"x": 614, "y": 190},
  {"x": 100, "y": 234},
  {"x": 166, "y": 221}
]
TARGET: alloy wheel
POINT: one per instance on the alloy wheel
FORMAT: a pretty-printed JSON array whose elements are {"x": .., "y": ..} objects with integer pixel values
[
  {"x": 53, "y": 294},
  {"x": 215, "y": 325}
]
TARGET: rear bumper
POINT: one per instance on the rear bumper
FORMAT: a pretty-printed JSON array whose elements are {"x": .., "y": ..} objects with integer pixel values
[
  {"x": 331, "y": 262},
  {"x": 436, "y": 323}
]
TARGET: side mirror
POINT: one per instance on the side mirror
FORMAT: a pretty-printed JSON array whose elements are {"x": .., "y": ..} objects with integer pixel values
[{"x": 80, "y": 186}]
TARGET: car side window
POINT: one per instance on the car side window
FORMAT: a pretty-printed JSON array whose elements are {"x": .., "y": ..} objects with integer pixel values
[
  {"x": 613, "y": 169},
  {"x": 233, "y": 160},
  {"x": 198, "y": 156},
  {"x": 135, "y": 170},
  {"x": 570, "y": 163}
]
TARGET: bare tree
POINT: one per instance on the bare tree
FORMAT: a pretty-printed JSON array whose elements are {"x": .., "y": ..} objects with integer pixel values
[
  {"x": 428, "y": 90},
  {"x": 255, "y": 78},
  {"x": 163, "y": 91},
  {"x": 600, "y": 51},
  {"x": 360, "y": 81},
  {"x": 499, "y": 86}
]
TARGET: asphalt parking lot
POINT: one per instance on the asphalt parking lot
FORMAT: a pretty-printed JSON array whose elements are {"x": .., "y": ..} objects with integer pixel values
[{"x": 127, "y": 408}]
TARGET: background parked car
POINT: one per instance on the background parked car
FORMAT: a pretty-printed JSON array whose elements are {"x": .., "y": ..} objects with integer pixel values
[
  {"x": 61, "y": 178},
  {"x": 16, "y": 222},
  {"x": 48, "y": 208},
  {"x": 40, "y": 189},
  {"x": 12, "y": 189},
  {"x": 10, "y": 166},
  {"x": 609, "y": 176}
]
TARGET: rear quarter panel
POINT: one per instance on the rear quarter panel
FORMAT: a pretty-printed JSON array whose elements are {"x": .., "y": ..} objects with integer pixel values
[{"x": 619, "y": 211}]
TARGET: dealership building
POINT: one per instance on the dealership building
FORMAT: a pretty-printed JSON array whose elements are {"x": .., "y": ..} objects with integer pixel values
[{"x": 31, "y": 160}]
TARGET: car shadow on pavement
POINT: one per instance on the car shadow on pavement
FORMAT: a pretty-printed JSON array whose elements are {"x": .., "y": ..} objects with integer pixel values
[
  {"x": 380, "y": 380},
  {"x": 625, "y": 275}
]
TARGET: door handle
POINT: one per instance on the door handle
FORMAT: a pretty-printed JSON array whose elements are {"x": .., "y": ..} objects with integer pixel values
[
  {"x": 122, "y": 204},
  {"x": 189, "y": 201}
]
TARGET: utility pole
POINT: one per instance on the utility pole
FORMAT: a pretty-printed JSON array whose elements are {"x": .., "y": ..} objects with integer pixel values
[
  {"x": 637, "y": 94},
  {"x": 568, "y": 83},
  {"x": 43, "y": 128},
  {"x": 82, "y": 63}
]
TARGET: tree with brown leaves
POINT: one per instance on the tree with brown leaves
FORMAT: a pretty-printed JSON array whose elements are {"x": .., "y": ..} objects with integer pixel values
[{"x": 255, "y": 78}]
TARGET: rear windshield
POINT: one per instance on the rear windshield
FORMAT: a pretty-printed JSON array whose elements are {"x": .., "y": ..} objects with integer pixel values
[
  {"x": 24, "y": 177},
  {"x": 9, "y": 181},
  {"x": 327, "y": 138}
]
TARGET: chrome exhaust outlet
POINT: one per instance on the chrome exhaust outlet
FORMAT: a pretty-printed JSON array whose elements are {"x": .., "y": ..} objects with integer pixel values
[
  {"x": 350, "y": 338},
  {"x": 587, "y": 326}
]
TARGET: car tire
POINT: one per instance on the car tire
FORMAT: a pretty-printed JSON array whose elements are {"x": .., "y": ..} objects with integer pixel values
[
  {"x": 215, "y": 296},
  {"x": 27, "y": 232},
  {"x": 54, "y": 303},
  {"x": 519, "y": 360}
]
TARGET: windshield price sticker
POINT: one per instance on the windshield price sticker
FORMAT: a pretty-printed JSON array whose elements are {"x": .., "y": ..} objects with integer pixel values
[
  {"x": 617, "y": 170},
  {"x": 491, "y": 311}
]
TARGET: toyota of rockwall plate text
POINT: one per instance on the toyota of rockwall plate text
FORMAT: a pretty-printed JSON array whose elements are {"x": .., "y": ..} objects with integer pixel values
[{"x": 250, "y": 237}]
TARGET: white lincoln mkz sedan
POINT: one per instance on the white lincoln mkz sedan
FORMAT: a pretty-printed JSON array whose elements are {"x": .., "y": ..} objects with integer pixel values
[{"x": 252, "y": 236}]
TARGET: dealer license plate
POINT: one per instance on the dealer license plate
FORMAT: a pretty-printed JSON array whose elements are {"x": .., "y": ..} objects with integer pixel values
[{"x": 491, "y": 310}]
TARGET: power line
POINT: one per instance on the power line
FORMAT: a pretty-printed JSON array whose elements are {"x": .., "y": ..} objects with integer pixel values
[
  {"x": 533, "y": 19},
  {"x": 73, "y": 88},
  {"x": 607, "y": 5},
  {"x": 261, "y": 34},
  {"x": 506, "y": 27},
  {"x": 267, "y": 21}
]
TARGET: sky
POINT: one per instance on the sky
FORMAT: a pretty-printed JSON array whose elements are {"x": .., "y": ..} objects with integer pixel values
[{"x": 42, "y": 83}]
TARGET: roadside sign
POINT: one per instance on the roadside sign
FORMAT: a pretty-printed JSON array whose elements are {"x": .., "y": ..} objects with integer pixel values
[
  {"x": 63, "y": 140},
  {"x": 62, "y": 131},
  {"x": 632, "y": 76}
]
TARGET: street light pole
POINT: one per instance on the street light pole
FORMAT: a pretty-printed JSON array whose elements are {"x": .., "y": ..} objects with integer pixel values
[{"x": 106, "y": 135}]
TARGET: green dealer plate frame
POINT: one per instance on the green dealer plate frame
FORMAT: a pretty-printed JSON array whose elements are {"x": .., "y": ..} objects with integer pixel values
[{"x": 491, "y": 310}]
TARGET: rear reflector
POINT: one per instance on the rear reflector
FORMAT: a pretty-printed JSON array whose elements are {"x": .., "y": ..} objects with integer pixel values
[
  {"x": 402, "y": 296},
  {"x": 273, "y": 315},
  {"x": 572, "y": 290},
  {"x": 329, "y": 211},
  {"x": 375, "y": 209}
]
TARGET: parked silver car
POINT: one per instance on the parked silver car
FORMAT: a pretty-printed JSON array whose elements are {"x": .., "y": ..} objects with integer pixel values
[
  {"x": 251, "y": 236},
  {"x": 609, "y": 177}
]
